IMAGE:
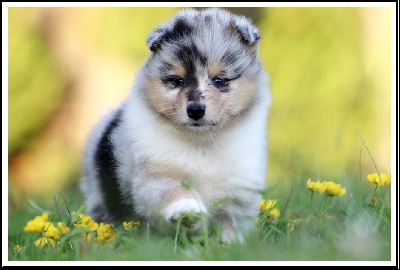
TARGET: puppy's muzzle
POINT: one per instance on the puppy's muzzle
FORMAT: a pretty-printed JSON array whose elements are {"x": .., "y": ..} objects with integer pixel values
[{"x": 196, "y": 111}]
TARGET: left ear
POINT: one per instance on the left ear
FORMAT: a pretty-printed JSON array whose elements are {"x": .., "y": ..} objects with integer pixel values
[
  {"x": 248, "y": 32},
  {"x": 154, "y": 39}
]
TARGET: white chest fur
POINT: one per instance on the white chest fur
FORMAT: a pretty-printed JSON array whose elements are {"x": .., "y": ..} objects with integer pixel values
[{"x": 229, "y": 163}]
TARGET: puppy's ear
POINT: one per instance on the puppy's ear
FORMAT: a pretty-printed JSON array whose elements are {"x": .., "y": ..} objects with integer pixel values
[
  {"x": 172, "y": 32},
  {"x": 248, "y": 32},
  {"x": 154, "y": 38}
]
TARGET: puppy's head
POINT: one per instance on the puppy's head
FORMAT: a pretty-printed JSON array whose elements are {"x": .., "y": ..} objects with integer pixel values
[{"x": 203, "y": 70}]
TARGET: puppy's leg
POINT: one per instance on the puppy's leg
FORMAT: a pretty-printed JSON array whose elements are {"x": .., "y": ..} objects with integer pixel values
[
  {"x": 237, "y": 219},
  {"x": 175, "y": 210},
  {"x": 164, "y": 201}
]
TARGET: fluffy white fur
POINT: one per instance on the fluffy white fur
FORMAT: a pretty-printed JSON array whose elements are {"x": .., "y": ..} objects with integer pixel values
[{"x": 228, "y": 163}]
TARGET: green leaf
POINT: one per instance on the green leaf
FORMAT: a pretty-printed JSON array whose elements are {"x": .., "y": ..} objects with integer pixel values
[{"x": 37, "y": 207}]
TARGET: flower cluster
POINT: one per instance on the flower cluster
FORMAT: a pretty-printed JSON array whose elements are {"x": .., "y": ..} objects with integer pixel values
[
  {"x": 105, "y": 232},
  {"x": 131, "y": 224},
  {"x": 330, "y": 188},
  {"x": 380, "y": 180},
  {"x": 268, "y": 207},
  {"x": 50, "y": 233},
  {"x": 36, "y": 224}
]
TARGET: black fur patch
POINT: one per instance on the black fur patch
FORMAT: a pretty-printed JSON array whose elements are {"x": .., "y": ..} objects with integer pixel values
[
  {"x": 189, "y": 56},
  {"x": 180, "y": 30},
  {"x": 207, "y": 19},
  {"x": 230, "y": 58},
  {"x": 106, "y": 167}
]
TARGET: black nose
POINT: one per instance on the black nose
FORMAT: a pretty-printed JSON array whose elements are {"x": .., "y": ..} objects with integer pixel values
[{"x": 196, "y": 111}]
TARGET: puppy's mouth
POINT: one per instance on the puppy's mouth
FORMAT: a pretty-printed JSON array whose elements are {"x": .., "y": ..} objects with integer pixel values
[
  {"x": 199, "y": 125},
  {"x": 195, "y": 124}
]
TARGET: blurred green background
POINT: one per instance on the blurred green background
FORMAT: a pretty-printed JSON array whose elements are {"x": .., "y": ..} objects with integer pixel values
[{"x": 330, "y": 72}]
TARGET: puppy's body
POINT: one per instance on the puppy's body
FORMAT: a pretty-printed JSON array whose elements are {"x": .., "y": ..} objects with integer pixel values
[{"x": 192, "y": 132}]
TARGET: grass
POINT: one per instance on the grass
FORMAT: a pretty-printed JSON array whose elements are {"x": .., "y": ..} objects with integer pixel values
[
  {"x": 326, "y": 228},
  {"x": 299, "y": 223}
]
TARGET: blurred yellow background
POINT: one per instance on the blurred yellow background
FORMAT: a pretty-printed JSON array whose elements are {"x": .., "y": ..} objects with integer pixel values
[{"x": 330, "y": 72}]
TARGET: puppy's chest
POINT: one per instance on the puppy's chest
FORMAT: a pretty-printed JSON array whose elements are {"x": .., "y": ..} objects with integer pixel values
[{"x": 199, "y": 162}]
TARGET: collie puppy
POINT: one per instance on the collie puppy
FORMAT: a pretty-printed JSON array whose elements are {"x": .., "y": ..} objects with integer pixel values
[{"x": 190, "y": 140}]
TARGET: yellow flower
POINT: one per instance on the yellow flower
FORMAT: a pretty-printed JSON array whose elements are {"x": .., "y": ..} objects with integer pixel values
[
  {"x": 328, "y": 187},
  {"x": 275, "y": 212},
  {"x": 42, "y": 241},
  {"x": 371, "y": 177},
  {"x": 88, "y": 237},
  {"x": 86, "y": 222},
  {"x": 130, "y": 224},
  {"x": 63, "y": 228},
  {"x": 51, "y": 231},
  {"x": 382, "y": 180},
  {"x": 36, "y": 224},
  {"x": 105, "y": 232},
  {"x": 316, "y": 186},
  {"x": 333, "y": 189},
  {"x": 266, "y": 205},
  {"x": 312, "y": 185}
]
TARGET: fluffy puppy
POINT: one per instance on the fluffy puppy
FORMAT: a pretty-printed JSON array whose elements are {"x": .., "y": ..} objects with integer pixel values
[{"x": 191, "y": 134}]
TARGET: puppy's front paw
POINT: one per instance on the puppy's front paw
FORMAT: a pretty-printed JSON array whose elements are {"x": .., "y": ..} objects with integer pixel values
[{"x": 188, "y": 210}]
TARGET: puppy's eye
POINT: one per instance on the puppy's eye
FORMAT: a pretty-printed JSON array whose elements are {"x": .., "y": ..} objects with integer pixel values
[
  {"x": 174, "y": 82},
  {"x": 178, "y": 82},
  {"x": 218, "y": 81}
]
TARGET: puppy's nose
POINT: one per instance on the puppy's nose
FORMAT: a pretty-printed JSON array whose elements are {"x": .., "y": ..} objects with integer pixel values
[{"x": 196, "y": 111}]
